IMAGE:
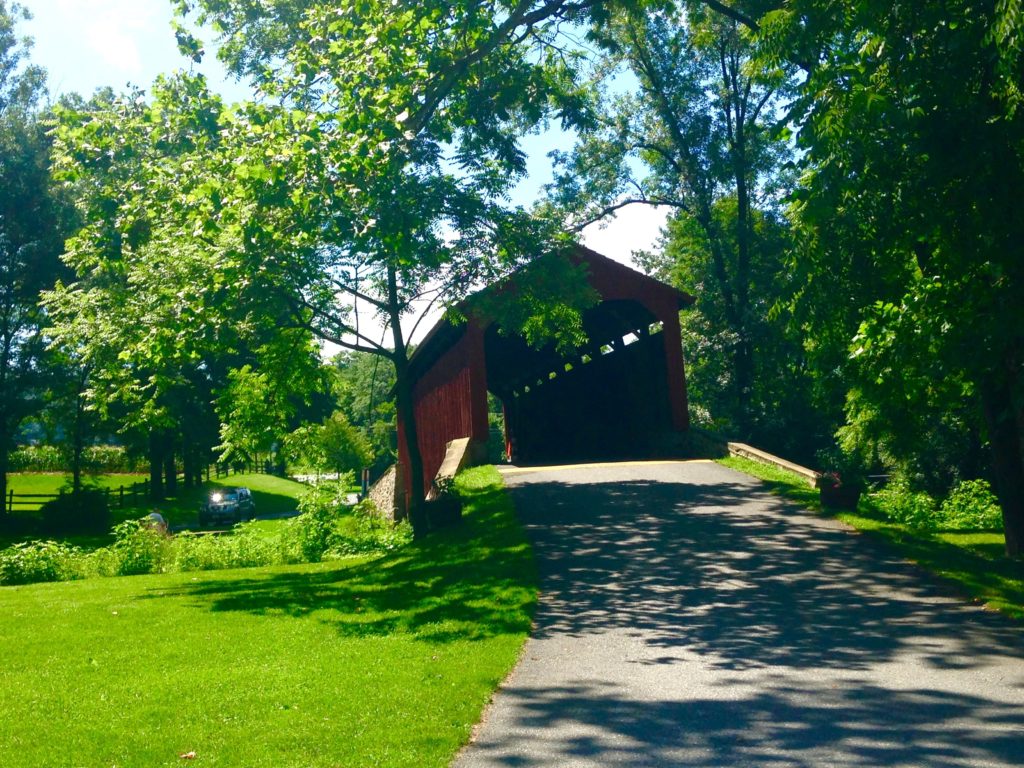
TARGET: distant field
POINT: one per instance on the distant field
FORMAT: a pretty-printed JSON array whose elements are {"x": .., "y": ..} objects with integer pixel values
[
  {"x": 52, "y": 482},
  {"x": 273, "y": 495}
]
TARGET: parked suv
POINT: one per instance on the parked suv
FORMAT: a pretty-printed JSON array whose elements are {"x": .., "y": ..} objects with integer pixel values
[{"x": 227, "y": 505}]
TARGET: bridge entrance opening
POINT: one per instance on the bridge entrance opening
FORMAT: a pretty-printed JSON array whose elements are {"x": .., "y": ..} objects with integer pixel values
[{"x": 607, "y": 400}]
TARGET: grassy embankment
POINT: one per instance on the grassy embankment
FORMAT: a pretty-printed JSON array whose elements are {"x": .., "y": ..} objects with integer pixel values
[
  {"x": 365, "y": 662},
  {"x": 972, "y": 560}
]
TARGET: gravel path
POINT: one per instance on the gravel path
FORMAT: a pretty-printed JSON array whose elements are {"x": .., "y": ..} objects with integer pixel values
[{"x": 688, "y": 618}]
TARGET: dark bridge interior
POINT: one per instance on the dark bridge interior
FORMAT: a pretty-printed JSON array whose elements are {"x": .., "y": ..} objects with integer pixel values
[{"x": 608, "y": 400}]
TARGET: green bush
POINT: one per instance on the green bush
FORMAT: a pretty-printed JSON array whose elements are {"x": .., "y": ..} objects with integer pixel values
[
  {"x": 901, "y": 504},
  {"x": 366, "y": 530},
  {"x": 971, "y": 506},
  {"x": 36, "y": 561},
  {"x": 37, "y": 458},
  {"x": 310, "y": 535},
  {"x": 326, "y": 528},
  {"x": 139, "y": 548},
  {"x": 245, "y": 548},
  {"x": 95, "y": 458},
  {"x": 76, "y": 513},
  {"x": 112, "y": 458}
]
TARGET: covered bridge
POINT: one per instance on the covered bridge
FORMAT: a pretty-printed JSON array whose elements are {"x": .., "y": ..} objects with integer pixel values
[{"x": 615, "y": 398}]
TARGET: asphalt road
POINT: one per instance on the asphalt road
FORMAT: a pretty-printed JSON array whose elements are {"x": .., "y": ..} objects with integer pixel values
[{"x": 688, "y": 618}]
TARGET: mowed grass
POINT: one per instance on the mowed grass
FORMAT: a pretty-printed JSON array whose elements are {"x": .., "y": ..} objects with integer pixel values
[
  {"x": 974, "y": 561},
  {"x": 53, "y": 482},
  {"x": 384, "y": 662}
]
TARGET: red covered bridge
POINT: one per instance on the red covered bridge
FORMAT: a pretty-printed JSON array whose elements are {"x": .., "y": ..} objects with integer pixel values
[{"x": 615, "y": 398}]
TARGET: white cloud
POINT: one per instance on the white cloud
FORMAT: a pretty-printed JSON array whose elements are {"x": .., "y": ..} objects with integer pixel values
[
  {"x": 633, "y": 228},
  {"x": 114, "y": 29}
]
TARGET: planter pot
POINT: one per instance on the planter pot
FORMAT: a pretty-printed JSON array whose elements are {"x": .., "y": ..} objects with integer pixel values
[{"x": 844, "y": 497}]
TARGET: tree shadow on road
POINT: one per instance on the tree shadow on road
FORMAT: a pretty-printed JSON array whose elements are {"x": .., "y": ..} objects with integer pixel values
[
  {"x": 592, "y": 724},
  {"x": 740, "y": 577},
  {"x": 794, "y": 619}
]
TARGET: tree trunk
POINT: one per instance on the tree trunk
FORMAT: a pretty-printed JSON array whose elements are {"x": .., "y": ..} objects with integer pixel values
[
  {"x": 170, "y": 470},
  {"x": 77, "y": 445},
  {"x": 406, "y": 412},
  {"x": 156, "y": 486},
  {"x": 744, "y": 350},
  {"x": 1007, "y": 463},
  {"x": 5, "y": 458},
  {"x": 188, "y": 462}
]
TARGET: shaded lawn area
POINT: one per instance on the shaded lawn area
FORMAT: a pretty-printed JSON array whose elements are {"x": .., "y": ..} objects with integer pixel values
[
  {"x": 380, "y": 662},
  {"x": 973, "y": 560}
]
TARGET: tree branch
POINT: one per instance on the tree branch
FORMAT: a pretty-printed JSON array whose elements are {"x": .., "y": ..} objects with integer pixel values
[
  {"x": 732, "y": 13},
  {"x": 610, "y": 209}
]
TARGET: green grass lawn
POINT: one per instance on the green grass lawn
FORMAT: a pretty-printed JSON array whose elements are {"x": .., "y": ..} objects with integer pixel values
[
  {"x": 52, "y": 482},
  {"x": 383, "y": 662},
  {"x": 974, "y": 561}
]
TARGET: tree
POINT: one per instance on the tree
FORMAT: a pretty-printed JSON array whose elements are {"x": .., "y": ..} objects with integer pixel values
[
  {"x": 375, "y": 173},
  {"x": 30, "y": 232},
  {"x": 697, "y": 133},
  {"x": 161, "y": 327},
  {"x": 913, "y": 167},
  {"x": 335, "y": 445},
  {"x": 364, "y": 385}
]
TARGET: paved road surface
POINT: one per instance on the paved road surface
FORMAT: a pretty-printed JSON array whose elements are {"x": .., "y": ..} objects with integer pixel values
[{"x": 689, "y": 619}]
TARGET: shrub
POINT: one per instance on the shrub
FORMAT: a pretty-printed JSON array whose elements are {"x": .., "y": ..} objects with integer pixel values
[
  {"x": 139, "y": 548},
  {"x": 35, "y": 561},
  {"x": 73, "y": 513},
  {"x": 971, "y": 506},
  {"x": 366, "y": 530},
  {"x": 903, "y": 505},
  {"x": 245, "y": 548},
  {"x": 325, "y": 528},
  {"x": 112, "y": 458},
  {"x": 37, "y": 458},
  {"x": 95, "y": 458},
  {"x": 307, "y": 537}
]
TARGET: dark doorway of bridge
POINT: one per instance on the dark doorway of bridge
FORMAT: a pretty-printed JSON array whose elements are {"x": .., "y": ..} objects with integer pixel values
[{"x": 606, "y": 401}]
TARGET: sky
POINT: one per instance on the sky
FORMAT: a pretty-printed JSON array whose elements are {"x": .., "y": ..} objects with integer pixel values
[{"x": 88, "y": 44}]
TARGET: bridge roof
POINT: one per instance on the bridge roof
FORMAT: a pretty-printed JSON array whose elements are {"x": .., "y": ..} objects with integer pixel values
[{"x": 619, "y": 286}]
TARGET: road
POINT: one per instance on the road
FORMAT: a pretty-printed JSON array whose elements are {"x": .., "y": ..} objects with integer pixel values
[{"x": 688, "y": 618}]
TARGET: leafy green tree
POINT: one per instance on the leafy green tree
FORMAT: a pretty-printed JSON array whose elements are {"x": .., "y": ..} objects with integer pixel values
[
  {"x": 333, "y": 446},
  {"x": 364, "y": 385},
  {"x": 912, "y": 149},
  {"x": 158, "y": 323},
  {"x": 375, "y": 172},
  {"x": 695, "y": 132},
  {"x": 31, "y": 223}
]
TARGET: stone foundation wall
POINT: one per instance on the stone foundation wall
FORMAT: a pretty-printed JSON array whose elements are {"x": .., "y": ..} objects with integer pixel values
[{"x": 387, "y": 495}]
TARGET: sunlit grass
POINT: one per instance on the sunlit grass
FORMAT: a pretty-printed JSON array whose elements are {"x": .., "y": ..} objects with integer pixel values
[
  {"x": 973, "y": 560},
  {"x": 367, "y": 662}
]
